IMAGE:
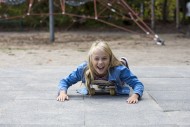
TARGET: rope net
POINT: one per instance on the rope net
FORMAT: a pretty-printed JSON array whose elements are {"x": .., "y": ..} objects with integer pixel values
[
  {"x": 104, "y": 11},
  {"x": 13, "y": 2},
  {"x": 76, "y": 2}
]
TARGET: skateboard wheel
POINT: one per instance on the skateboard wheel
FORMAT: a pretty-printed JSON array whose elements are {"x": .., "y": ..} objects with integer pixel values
[
  {"x": 112, "y": 91},
  {"x": 92, "y": 91}
]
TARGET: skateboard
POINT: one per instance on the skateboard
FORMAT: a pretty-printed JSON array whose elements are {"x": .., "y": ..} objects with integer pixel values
[{"x": 102, "y": 86}]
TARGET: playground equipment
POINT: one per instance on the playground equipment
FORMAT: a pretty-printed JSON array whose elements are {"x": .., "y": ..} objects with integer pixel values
[
  {"x": 118, "y": 7},
  {"x": 12, "y": 2}
]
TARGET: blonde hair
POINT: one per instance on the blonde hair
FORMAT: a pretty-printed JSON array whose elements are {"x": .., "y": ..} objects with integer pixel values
[{"x": 90, "y": 69}]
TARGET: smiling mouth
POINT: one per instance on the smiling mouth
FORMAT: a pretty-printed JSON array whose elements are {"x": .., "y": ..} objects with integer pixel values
[{"x": 100, "y": 68}]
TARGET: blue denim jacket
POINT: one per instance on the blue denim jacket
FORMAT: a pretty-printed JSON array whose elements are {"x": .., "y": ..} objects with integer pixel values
[{"x": 119, "y": 75}]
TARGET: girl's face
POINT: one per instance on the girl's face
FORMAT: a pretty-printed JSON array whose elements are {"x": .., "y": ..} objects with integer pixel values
[{"x": 100, "y": 62}]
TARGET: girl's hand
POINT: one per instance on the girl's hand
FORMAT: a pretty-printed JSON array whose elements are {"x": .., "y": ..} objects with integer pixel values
[
  {"x": 62, "y": 96},
  {"x": 133, "y": 99}
]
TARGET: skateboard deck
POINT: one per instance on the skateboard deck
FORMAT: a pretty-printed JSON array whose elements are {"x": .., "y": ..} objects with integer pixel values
[{"x": 102, "y": 86}]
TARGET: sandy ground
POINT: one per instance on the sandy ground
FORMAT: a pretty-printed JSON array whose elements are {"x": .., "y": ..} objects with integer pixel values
[{"x": 70, "y": 48}]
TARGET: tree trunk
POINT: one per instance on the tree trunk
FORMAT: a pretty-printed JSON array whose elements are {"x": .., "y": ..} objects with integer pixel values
[
  {"x": 153, "y": 14},
  {"x": 177, "y": 14},
  {"x": 183, "y": 10},
  {"x": 165, "y": 11}
]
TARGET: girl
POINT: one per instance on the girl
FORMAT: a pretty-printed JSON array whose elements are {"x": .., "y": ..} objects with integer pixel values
[{"x": 102, "y": 64}]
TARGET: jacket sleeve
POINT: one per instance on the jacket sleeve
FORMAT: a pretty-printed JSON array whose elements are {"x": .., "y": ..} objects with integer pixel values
[
  {"x": 129, "y": 78},
  {"x": 73, "y": 78}
]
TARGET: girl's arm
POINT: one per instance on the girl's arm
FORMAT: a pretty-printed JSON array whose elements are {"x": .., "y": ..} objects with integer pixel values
[
  {"x": 65, "y": 83},
  {"x": 128, "y": 77}
]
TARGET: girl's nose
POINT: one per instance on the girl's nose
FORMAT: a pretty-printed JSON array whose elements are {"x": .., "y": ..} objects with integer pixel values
[{"x": 100, "y": 61}]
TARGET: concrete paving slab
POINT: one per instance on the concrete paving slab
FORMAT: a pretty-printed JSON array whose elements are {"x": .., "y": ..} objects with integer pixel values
[
  {"x": 180, "y": 117},
  {"x": 43, "y": 112},
  {"x": 118, "y": 103},
  {"x": 166, "y": 81},
  {"x": 12, "y": 83},
  {"x": 172, "y": 100},
  {"x": 162, "y": 72},
  {"x": 166, "y": 84},
  {"x": 130, "y": 118},
  {"x": 176, "y": 105},
  {"x": 123, "y": 113},
  {"x": 28, "y": 99},
  {"x": 170, "y": 95},
  {"x": 39, "y": 125}
]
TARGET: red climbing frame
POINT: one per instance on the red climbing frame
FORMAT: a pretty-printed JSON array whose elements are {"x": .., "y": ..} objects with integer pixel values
[{"x": 119, "y": 7}]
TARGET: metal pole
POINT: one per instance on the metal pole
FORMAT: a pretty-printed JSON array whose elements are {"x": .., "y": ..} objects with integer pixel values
[
  {"x": 51, "y": 21},
  {"x": 153, "y": 14},
  {"x": 142, "y": 10},
  {"x": 177, "y": 14}
]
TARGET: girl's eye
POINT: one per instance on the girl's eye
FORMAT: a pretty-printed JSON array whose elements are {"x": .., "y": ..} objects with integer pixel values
[
  {"x": 96, "y": 59},
  {"x": 104, "y": 58}
]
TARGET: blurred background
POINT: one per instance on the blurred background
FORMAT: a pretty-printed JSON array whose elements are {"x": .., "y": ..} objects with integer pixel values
[{"x": 160, "y": 15}]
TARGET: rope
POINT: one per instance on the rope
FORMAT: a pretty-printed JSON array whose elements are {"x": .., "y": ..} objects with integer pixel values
[
  {"x": 76, "y": 2},
  {"x": 62, "y": 6},
  {"x": 111, "y": 5},
  {"x": 30, "y": 6},
  {"x": 13, "y": 2}
]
